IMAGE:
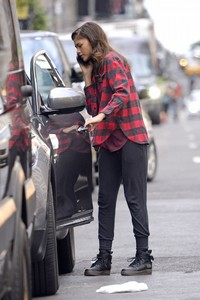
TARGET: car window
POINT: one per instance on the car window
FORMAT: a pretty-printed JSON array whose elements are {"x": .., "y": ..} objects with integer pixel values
[
  {"x": 12, "y": 76},
  {"x": 140, "y": 64},
  {"x": 70, "y": 50},
  {"x": 46, "y": 78},
  {"x": 137, "y": 52},
  {"x": 31, "y": 45},
  {"x": 7, "y": 35},
  {"x": 130, "y": 45},
  {"x": 5, "y": 44}
]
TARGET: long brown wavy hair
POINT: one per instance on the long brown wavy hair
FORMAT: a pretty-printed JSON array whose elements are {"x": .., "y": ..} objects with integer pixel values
[{"x": 99, "y": 43}]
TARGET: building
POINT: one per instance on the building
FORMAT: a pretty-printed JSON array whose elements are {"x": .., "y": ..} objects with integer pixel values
[{"x": 63, "y": 15}]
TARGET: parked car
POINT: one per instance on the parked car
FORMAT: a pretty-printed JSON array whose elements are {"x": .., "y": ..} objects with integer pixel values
[
  {"x": 152, "y": 149},
  {"x": 62, "y": 172},
  {"x": 136, "y": 51},
  {"x": 70, "y": 50},
  {"x": 33, "y": 41},
  {"x": 17, "y": 189},
  {"x": 68, "y": 46}
]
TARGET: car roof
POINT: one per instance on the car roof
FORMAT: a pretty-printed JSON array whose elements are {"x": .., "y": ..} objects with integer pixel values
[
  {"x": 122, "y": 37},
  {"x": 63, "y": 36},
  {"x": 37, "y": 33}
]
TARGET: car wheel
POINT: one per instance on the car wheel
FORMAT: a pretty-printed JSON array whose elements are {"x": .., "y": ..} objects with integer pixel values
[
  {"x": 155, "y": 116},
  {"x": 21, "y": 280},
  {"x": 152, "y": 161},
  {"x": 66, "y": 253},
  {"x": 45, "y": 272}
]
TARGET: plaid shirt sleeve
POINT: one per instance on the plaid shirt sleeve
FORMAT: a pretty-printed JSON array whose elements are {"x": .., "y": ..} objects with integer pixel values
[
  {"x": 91, "y": 103},
  {"x": 118, "y": 80}
]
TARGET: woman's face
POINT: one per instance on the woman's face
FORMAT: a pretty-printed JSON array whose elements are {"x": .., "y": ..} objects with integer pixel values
[{"x": 83, "y": 47}]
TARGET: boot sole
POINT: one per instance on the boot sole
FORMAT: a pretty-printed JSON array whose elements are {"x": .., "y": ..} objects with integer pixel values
[
  {"x": 134, "y": 273},
  {"x": 96, "y": 273}
]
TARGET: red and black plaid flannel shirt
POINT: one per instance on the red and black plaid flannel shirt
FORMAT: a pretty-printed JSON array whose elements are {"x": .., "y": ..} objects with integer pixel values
[{"x": 114, "y": 94}]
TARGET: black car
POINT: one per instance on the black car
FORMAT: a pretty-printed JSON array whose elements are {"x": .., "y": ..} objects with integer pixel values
[
  {"x": 68, "y": 158},
  {"x": 17, "y": 190},
  {"x": 62, "y": 172}
]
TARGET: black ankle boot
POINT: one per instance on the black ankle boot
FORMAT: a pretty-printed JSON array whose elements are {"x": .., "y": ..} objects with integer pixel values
[
  {"x": 101, "y": 265},
  {"x": 141, "y": 264}
]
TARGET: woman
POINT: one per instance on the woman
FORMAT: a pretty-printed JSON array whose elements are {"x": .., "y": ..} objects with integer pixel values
[{"x": 119, "y": 134}]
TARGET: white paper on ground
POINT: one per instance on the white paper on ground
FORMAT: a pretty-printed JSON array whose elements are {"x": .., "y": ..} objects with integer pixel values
[{"x": 127, "y": 287}]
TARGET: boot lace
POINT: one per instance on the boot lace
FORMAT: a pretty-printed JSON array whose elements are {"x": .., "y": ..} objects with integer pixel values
[
  {"x": 99, "y": 259},
  {"x": 138, "y": 257}
]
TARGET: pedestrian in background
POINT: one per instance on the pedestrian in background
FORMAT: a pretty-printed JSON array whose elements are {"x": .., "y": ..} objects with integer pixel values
[
  {"x": 120, "y": 137},
  {"x": 166, "y": 102}
]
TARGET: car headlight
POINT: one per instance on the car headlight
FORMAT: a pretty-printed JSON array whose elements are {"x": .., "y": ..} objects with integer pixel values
[{"x": 154, "y": 92}]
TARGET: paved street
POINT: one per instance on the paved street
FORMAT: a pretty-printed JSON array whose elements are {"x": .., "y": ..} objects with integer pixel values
[{"x": 174, "y": 209}]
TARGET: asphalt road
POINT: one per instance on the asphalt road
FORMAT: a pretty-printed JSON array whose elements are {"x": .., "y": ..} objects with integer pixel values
[{"x": 174, "y": 217}]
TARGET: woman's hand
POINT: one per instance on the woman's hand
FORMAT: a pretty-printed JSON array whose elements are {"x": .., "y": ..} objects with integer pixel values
[
  {"x": 70, "y": 129},
  {"x": 87, "y": 73},
  {"x": 86, "y": 68},
  {"x": 91, "y": 123}
]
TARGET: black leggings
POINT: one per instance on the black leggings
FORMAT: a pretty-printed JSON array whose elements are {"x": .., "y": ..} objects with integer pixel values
[{"x": 128, "y": 166}]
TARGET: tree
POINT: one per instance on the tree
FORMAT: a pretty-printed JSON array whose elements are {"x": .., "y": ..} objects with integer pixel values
[
  {"x": 23, "y": 13},
  {"x": 37, "y": 15},
  {"x": 31, "y": 15}
]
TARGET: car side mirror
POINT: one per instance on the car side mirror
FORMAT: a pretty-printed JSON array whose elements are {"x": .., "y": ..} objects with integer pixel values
[{"x": 66, "y": 99}]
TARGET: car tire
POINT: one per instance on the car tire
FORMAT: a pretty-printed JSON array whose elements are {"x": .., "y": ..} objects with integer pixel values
[
  {"x": 66, "y": 253},
  {"x": 45, "y": 272},
  {"x": 21, "y": 275},
  {"x": 155, "y": 117},
  {"x": 152, "y": 161}
]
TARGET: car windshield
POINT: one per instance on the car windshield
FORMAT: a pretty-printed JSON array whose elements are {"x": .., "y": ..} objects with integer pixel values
[
  {"x": 31, "y": 45},
  {"x": 137, "y": 53},
  {"x": 130, "y": 45},
  {"x": 70, "y": 50},
  {"x": 140, "y": 64},
  {"x": 46, "y": 79}
]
